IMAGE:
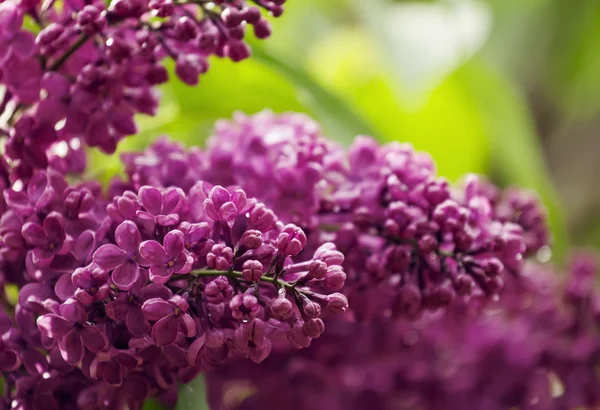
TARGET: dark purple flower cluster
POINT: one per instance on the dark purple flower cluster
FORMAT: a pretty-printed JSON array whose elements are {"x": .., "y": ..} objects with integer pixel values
[
  {"x": 412, "y": 242},
  {"x": 127, "y": 294},
  {"x": 539, "y": 348},
  {"x": 91, "y": 66},
  {"x": 130, "y": 297}
]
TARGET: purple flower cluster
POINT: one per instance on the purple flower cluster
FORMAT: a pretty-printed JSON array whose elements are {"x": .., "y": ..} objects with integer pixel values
[
  {"x": 126, "y": 293},
  {"x": 412, "y": 242},
  {"x": 536, "y": 349},
  {"x": 91, "y": 66},
  {"x": 130, "y": 297}
]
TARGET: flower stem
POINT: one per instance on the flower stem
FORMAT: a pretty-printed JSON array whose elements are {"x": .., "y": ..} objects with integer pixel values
[
  {"x": 74, "y": 47},
  {"x": 238, "y": 275}
]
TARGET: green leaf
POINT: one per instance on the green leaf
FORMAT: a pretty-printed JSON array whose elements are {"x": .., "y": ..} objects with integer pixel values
[
  {"x": 338, "y": 117},
  {"x": 192, "y": 396},
  {"x": 152, "y": 405},
  {"x": 445, "y": 123}
]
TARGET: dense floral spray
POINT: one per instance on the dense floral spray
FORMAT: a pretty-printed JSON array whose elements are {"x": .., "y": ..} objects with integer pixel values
[{"x": 281, "y": 265}]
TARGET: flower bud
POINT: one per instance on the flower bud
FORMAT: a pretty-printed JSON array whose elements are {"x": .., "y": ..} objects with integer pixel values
[
  {"x": 311, "y": 309},
  {"x": 313, "y": 328},
  {"x": 251, "y": 239},
  {"x": 252, "y": 270},
  {"x": 317, "y": 270},
  {"x": 335, "y": 278},
  {"x": 291, "y": 240},
  {"x": 281, "y": 308},
  {"x": 337, "y": 303}
]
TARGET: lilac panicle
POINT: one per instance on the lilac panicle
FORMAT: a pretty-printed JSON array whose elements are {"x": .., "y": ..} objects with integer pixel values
[
  {"x": 272, "y": 239},
  {"x": 81, "y": 74},
  {"x": 146, "y": 290},
  {"x": 534, "y": 349}
]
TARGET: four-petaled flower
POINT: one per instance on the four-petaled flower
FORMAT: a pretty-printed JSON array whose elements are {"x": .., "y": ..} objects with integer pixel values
[
  {"x": 221, "y": 205},
  {"x": 72, "y": 332},
  {"x": 167, "y": 259},
  {"x": 161, "y": 207},
  {"x": 124, "y": 260},
  {"x": 171, "y": 319},
  {"x": 49, "y": 239}
]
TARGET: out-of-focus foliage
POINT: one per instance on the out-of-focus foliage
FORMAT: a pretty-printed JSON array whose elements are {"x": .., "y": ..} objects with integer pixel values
[{"x": 489, "y": 86}]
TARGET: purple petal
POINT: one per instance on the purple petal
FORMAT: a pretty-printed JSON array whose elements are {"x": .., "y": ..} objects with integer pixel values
[
  {"x": 195, "y": 349},
  {"x": 160, "y": 274},
  {"x": 42, "y": 257},
  {"x": 55, "y": 84},
  {"x": 71, "y": 348},
  {"x": 219, "y": 195},
  {"x": 5, "y": 323},
  {"x": 84, "y": 246},
  {"x": 174, "y": 244},
  {"x": 228, "y": 212},
  {"x": 239, "y": 199},
  {"x": 32, "y": 295},
  {"x": 53, "y": 326},
  {"x": 94, "y": 339},
  {"x": 73, "y": 311},
  {"x": 37, "y": 185},
  {"x": 24, "y": 44},
  {"x": 183, "y": 264},
  {"x": 188, "y": 325},
  {"x": 145, "y": 221},
  {"x": 172, "y": 200},
  {"x": 53, "y": 226},
  {"x": 34, "y": 361},
  {"x": 127, "y": 207},
  {"x": 118, "y": 309},
  {"x": 167, "y": 220},
  {"x": 125, "y": 276},
  {"x": 156, "y": 309},
  {"x": 64, "y": 287},
  {"x": 83, "y": 297},
  {"x": 209, "y": 207},
  {"x": 109, "y": 256},
  {"x": 154, "y": 290},
  {"x": 112, "y": 373},
  {"x": 34, "y": 234},
  {"x": 9, "y": 361},
  {"x": 18, "y": 201},
  {"x": 128, "y": 237},
  {"x": 153, "y": 252},
  {"x": 136, "y": 322},
  {"x": 164, "y": 332},
  {"x": 151, "y": 199}
]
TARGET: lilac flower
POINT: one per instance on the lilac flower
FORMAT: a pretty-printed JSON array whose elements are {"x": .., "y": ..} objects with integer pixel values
[
  {"x": 163, "y": 207},
  {"x": 9, "y": 360},
  {"x": 127, "y": 306},
  {"x": 224, "y": 206},
  {"x": 171, "y": 319},
  {"x": 49, "y": 239},
  {"x": 125, "y": 259},
  {"x": 72, "y": 332},
  {"x": 112, "y": 366},
  {"x": 291, "y": 240},
  {"x": 12, "y": 39},
  {"x": 42, "y": 190},
  {"x": 167, "y": 259},
  {"x": 220, "y": 257},
  {"x": 91, "y": 283}
]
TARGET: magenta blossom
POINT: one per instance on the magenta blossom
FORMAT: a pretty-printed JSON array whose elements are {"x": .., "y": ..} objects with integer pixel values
[
  {"x": 171, "y": 319},
  {"x": 168, "y": 259}
]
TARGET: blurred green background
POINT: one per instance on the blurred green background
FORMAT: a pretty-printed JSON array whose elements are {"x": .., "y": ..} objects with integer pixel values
[{"x": 508, "y": 88}]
